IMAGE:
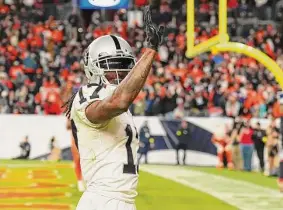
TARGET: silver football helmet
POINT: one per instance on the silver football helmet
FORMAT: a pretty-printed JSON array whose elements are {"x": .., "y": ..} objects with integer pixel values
[{"x": 107, "y": 54}]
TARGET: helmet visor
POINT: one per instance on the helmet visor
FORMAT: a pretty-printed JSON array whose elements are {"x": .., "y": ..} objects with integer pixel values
[
  {"x": 117, "y": 68},
  {"x": 117, "y": 63}
]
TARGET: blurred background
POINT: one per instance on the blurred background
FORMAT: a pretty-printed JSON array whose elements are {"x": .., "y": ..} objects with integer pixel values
[{"x": 211, "y": 111}]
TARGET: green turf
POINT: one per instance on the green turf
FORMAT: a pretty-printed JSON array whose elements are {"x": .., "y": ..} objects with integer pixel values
[
  {"x": 155, "y": 193},
  {"x": 252, "y": 177}
]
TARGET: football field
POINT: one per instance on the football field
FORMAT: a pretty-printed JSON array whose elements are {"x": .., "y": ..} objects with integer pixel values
[{"x": 51, "y": 186}]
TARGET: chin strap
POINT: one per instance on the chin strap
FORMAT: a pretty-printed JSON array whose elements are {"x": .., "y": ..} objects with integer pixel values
[{"x": 104, "y": 80}]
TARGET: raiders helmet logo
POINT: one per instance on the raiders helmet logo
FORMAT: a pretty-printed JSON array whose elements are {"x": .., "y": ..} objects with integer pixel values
[
  {"x": 86, "y": 54},
  {"x": 104, "y": 3}
]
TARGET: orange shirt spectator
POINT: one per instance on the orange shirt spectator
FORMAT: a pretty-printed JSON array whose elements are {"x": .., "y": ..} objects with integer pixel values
[
  {"x": 38, "y": 29},
  {"x": 38, "y": 98},
  {"x": 53, "y": 96},
  {"x": 140, "y": 3},
  {"x": 181, "y": 41},
  {"x": 64, "y": 73},
  {"x": 53, "y": 103},
  {"x": 14, "y": 70},
  {"x": 12, "y": 50},
  {"x": 52, "y": 108},
  {"x": 36, "y": 41},
  {"x": 124, "y": 30},
  {"x": 196, "y": 73},
  {"x": 4, "y": 9},
  {"x": 57, "y": 35},
  {"x": 23, "y": 44},
  {"x": 162, "y": 92},
  {"x": 251, "y": 99},
  {"x": 50, "y": 84},
  {"x": 277, "y": 111},
  {"x": 232, "y": 4}
]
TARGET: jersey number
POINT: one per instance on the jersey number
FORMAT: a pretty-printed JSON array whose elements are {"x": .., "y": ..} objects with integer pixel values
[
  {"x": 129, "y": 168},
  {"x": 94, "y": 94}
]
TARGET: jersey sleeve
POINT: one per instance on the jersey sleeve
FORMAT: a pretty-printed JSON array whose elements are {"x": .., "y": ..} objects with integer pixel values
[{"x": 86, "y": 96}]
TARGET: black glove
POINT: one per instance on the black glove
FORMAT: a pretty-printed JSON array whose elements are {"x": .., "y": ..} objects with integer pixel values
[{"x": 154, "y": 37}]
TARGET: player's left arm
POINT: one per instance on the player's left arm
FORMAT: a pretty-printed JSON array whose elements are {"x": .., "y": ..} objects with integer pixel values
[{"x": 129, "y": 88}]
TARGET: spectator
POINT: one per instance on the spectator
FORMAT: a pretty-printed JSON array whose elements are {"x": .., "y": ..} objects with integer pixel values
[
  {"x": 25, "y": 149},
  {"x": 74, "y": 22},
  {"x": 199, "y": 103},
  {"x": 246, "y": 145},
  {"x": 39, "y": 54},
  {"x": 55, "y": 151},
  {"x": 272, "y": 145},
  {"x": 258, "y": 138},
  {"x": 233, "y": 106},
  {"x": 179, "y": 111},
  {"x": 184, "y": 136},
  {"x": 169, "y": 104},
  {"x": 145, "y": 145},
  {"x": 236, "y": 151}
]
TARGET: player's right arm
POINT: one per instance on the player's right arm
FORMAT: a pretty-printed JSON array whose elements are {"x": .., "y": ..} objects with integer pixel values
[{"x": 128, "y": 89}]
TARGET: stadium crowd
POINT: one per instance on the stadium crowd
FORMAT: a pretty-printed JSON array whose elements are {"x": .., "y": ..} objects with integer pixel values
[{"x": 40, "y": 60}]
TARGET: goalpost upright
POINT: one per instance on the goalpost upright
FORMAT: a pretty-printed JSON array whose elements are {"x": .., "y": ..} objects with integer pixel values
[
  {"x": 220, "y": 43},
  {"x": 222, "y": 37}
]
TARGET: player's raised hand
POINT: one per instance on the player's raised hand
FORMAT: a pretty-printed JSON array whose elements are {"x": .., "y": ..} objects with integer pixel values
[{"x": 154, "y": 36}]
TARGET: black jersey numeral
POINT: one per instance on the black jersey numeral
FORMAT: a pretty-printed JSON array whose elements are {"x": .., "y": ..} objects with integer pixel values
[
  {"x": 94, "y": 94},
  {"x": 129, "y": 168},
  {"x": 82, "y": 98}
]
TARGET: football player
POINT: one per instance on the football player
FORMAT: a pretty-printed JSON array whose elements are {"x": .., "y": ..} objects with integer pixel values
[{"x": 103, "y": 127}]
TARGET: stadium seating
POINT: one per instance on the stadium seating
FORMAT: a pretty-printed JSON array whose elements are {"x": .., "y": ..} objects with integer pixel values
[{"x": 40, "y": 60}]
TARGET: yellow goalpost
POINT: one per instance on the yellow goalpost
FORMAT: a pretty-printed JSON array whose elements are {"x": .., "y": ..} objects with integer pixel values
[{"x": 221, "y": 43}]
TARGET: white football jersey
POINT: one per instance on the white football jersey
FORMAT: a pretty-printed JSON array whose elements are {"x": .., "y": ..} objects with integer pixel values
[{"x": 108, "y": 151}]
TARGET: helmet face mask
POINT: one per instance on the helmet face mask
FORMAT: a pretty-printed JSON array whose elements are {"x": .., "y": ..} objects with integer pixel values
[
  {"x": 104, "y": 63},
  {"x": 115, "y": 77}
]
